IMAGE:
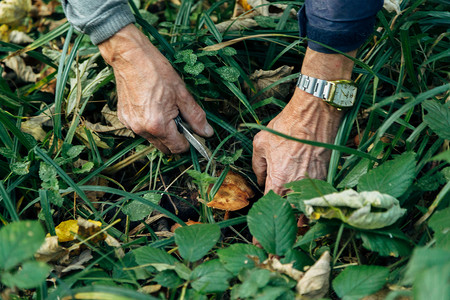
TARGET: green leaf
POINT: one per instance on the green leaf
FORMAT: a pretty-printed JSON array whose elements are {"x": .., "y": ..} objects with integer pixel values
[
  {"x": 210, "y": 277},
  {"x": 74, "y": 151},
  {"x": 265, "y": 21},
  {"x": 438, "y": 117},
  {"x": 229, "y": 74},
  {"x": 316, "y": 231},
  {"x": 194, "y": 69},
  {"x": 299, "y": 259},
  {"x": 7, "y": 153},
  {"x": 186, "y": 56},
  {"x": 31, "y": 275},
  {"x": 440, "y": 223},
  {"x": 431, "y": 183},
  {"x": 182, "y": 271},
  {"x": 306, "y": 189},
  {"x": 252, "y": 281},
  {"x": 148, "y": 255},
  {"x": 433, "y": 283},
  {"x": 168, "y": 279},
  {"x": 229, "y": 51},
  {"x": 196, "y": 240},
  {"x": 137, "y": 210},
  {"x": 442, "y": 156},
  {"x": 21, "y": 167},
  {"x": 355, "y": 174},
  {"x": 272, "y": 222},
  {"x": 392, "y": 177},
  {"x": 238, "y": 256},
  {"x": 19, "y": 241},
  {"x": 47, "y": 173},
  {"x": 356, "y": 282},
  {"x": 386, "y": 244},
  {"x": 87, "y": 167},
  {"x": 423, "y": 259}
]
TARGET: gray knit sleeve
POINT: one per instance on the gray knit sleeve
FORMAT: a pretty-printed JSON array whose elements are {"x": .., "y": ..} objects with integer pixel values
[{"x": 100, "y": 19}]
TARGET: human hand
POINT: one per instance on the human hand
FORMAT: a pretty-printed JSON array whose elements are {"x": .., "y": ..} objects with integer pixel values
[
  {"x": 276, "y": 160},
  {"x": 151, "y": 94}
]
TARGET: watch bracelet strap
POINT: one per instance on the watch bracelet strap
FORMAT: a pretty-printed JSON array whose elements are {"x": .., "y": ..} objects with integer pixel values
[{"x": 314, "y": 86}]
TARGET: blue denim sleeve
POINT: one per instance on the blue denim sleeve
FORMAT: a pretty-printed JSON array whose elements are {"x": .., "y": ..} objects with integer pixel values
[
  {"x": 97, "y": 18},
  {"x": 341, "y": 24}
]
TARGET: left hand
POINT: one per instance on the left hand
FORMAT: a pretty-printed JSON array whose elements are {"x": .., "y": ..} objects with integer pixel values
[{"x": 277, "y": 161}]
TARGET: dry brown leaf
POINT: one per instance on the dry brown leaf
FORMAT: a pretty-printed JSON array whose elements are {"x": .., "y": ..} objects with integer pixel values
[
  {"x": 13, "y": 11},
  {"x": 77, "y": 262},
  {"x": 23, "y": 72},
  {"x": 232, "y": 194},
  {"x": 236, "y": 24},
  {"x": 150, "y": 289},
  {"x": 263, "y": 79},
  {"x": 51, "y": 250},
  {"x": 115, "y": 244},
  {"x": 116, "y": 126},
  {"x": 274, "y": 264},
  {"x": 34, "y": 124},
  {"x": 89, "y": 228},
  {"x": 81, "y": 134},
  {"x": 19, "y": 37},
  {"x": 315, "y": 282}
]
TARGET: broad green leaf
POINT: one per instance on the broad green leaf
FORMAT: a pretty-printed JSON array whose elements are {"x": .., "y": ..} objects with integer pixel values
[
  {"x": 298, "y": 258},
  {"x": 229, "y": 51},
  {"x": 74, "y": 151},
  {"x": 148, "y": 255},
  {"x": 440, "y": 223},
  {"x": 239, "y": 256},
  {"x": 272, "y": 222},
  {"x": 20, "y": 168},
  {"x": 431, "y": 183},
  {"x": 187, "y": 56},
  {"x": 438, "y": 117},
  {"x": 194, "y": 69},
  {"x": 355, "y": 174},
  {"x": 87, "y": 167},
  {"x": 392, "y": 177},
  {"x": 196, "y": 240},
  {"x": 7, "y": 153},
  {"x": 210, "y": 277},
  {"x": 423, "y": 259},
  {"x": 229, "y": 74},
  {"x": 252, "y": 281},
  {"x": 306, "y": 189},
  {"x": 316, "y": 231},
  {"x": 168, "y": 279},
  {"x": 137, "y": 210},
  {"x": 182, "y": 271},
  {"x": 356, "y": 282},
  {"x": 31, "y": 275},
  {"x": 386, "y": 244},
  {"x": 433, "y": 283},
  {"x": 19, "y": 241},
  {"x": 442, "y": 156}
]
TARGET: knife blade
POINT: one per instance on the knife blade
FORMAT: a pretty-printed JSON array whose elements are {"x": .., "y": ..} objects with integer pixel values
[{"x": 183, "y": 128}]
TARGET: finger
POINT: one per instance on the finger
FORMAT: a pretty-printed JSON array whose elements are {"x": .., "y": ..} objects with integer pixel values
[
  {"x": 156, "y": 142},
  {"x": 173, "y": 139},
  {"x": 194, "y": 115},
  {"x": 259, "y": 162}
]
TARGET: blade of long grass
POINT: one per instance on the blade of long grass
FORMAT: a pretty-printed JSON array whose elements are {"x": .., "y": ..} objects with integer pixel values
[
  {"x": 45, "y": 205},
  {"x": 237, "y": 92},
  {"x": 4, "y": 119},
  {"x": 281, "y": 24},
  {"x": 314, "y": 143},
  {"x": 10, "y": 208}
]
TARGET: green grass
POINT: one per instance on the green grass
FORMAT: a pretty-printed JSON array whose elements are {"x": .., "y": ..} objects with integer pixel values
[{"x": 399, "y": 70}]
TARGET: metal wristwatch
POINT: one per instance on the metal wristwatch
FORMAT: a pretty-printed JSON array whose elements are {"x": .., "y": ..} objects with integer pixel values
[{"x": 338, "y": 93}]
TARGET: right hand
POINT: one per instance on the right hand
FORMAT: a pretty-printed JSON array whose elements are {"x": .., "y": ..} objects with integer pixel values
[{"x": 151, "y": 94}]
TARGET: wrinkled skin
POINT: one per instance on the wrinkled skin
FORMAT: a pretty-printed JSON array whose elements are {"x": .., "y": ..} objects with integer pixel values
[
  {"x": 277, "y": 161},
  {"x": 151, "y": 94}
]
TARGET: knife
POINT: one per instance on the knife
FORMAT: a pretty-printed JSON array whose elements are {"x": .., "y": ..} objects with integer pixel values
[{"x": 183, "y": 128}]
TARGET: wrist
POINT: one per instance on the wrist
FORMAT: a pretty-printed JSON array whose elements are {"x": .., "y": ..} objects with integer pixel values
[{"x": 123, "y": 46}]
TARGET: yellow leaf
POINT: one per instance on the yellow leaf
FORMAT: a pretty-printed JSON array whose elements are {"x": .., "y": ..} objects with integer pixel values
[{"x": 64, "y": 229}]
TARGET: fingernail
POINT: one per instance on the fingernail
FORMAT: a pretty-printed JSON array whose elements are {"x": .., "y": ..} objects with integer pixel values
[{"x": 209, "y": 131}]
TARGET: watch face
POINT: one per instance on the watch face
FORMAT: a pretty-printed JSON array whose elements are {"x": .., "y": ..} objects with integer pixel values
[{"x": 345, "y": 95}]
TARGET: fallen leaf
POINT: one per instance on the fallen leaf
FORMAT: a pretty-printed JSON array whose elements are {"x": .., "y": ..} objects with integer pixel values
[
  {"x": 22, "y": 71},
  {"x": 315, "y": 282},
  {"x": 262, "y": 79},
  {"x": 19, "y": 37},
  {"x": 274, "y": 264},
  {"x": 266, "y": 8},
  {"x": 392, "y": 5},
  {"x": 89, "y": 228},
  {"x": 236, "y": 24},
  {"x": 81, "y": 134},
  {"x": 115, "y": 244},
  {"x": 65, "y": 229},
  {"x": 34, "y": 124},
  {"x": 116, "y": 127},
  {"x": 50, "y": 251},
  {"x": 77, "y": 263},
  {"x": 150, "y": 289},
  {"x": 232, "y": 194},
  {"x": 13, "y": 11},
  {"x": 366, "y": 210}
]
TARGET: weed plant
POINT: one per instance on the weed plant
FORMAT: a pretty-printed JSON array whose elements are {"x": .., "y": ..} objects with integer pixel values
[{"x": 395, "y": 141}]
